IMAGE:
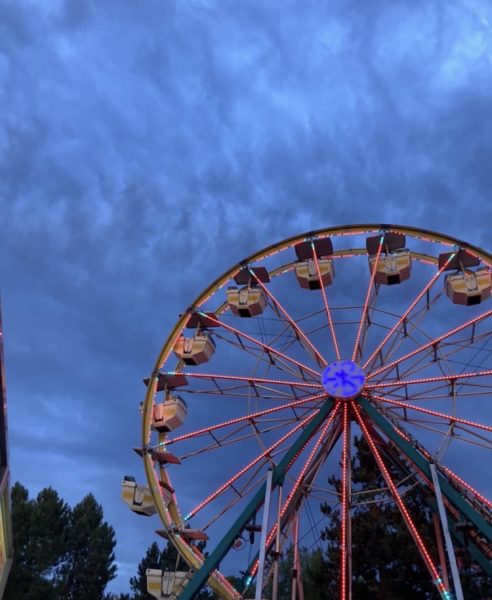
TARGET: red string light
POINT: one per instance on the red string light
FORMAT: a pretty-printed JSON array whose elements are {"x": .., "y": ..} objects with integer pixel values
[
  {"x": 325, "y": 301},
  {"x": 245, "y": 378},
  {"x": 466, "y": 485},
  {"x": 434, "y": 413},
  {"x": 403, "y": 509},
  {"x": 343, "y": 566},
  {"x": 407, "y": 312},
  {"x": 446, "y": 470},
  {"x": 251, "y": 464},
  {"x": 430, "y": 344},
  {"x": 249, "y": 417},
  {"x": 450, "y": 378},
  {"x": 368, "y": 296},
  {"x": 262, "y": 345}
]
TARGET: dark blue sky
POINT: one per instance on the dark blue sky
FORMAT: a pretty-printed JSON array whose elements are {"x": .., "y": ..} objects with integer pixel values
[{"x": 147, "y": 146}]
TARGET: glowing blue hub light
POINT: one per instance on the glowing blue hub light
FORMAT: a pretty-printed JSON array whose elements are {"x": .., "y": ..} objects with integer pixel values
[{"x": 343, "y": 379}]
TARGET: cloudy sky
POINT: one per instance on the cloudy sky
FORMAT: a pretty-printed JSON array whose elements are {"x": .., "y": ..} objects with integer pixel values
[{"x": 146, "y": 146}]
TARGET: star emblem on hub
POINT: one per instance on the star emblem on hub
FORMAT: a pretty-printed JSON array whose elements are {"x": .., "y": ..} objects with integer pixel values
[{"x": 343, "y": 379}]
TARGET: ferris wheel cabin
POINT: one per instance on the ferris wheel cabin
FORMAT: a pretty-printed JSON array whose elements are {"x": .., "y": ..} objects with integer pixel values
[
  {"x": 307, "y": 273},
  {"x": 170, "y": 414},
  {"x": 165, "y": 585},
  {"x": 195, "y": 350},
  {"x": 468, "y": 285},
  {"x": 388, "y": 255},
  {"x": 138, "y": 497},
  {"x": 246, "y": 302}
]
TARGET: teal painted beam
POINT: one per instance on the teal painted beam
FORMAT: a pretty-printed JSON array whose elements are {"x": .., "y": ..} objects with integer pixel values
[
  {"x": 243, "y": 583},
  {"x": 452, "y": 495},
  {"x": 465, "y": 542},
  {"x": 458, "y": 536},
  {"x": 200, "y": 578}
]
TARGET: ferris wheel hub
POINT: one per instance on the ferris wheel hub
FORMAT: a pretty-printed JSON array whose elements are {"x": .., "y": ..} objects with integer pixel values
[{"x": 343, "y": 379}]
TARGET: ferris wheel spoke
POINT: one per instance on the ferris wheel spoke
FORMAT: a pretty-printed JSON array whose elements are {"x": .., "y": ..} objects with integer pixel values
[
  {"x": 441, "y": 356},
  {"x": 247, "y": 418},
  {"x": 265, "y": 357},
  {"x": 293, "y": 495},
  {"x": 452, "y": 432},
  {"x": 401, "y": 320},
  {"x": 445, "y": 353},
  {"x": 229, "y": 439},
  {"x": 443, "y": 396},
  {"x": 449, "y": 418},
  {"x": 447, "y": 378},
  {"x": 326, "y": 305},
  {"x": 399, "y": 501},
  {"x": 463, "y": 487},
  {"x": 370, "y": 287},
  {"x": 312, "y": 454},
  {"x": 247, "y": 379},
  {"x": 264, "y": 455},
  {"x": 409, "y": 327},
  {"x": 253, "y": 482},
  {"x": 421, "y": 363},
  {"x": 265, "y": 347},
  {"x": 432, "y": 343},
  {"x": 300, "y": 333},
  {"x": 344, "y": 550}
]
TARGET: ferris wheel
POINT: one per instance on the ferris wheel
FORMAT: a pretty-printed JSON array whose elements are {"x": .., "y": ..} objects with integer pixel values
[{"x": 381, "y": 331}]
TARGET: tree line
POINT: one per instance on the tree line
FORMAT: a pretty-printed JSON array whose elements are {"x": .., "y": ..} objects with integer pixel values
[{"x": 64, "y": 553}]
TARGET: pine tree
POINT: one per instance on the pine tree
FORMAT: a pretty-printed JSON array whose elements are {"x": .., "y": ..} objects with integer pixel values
[
  {"x": 151, "y": 560},
  {"x": 165, "y": 560},
  {"x": 385, "y": 560},
  {"x": 386, "y": 563},
  {"x": 39, "y": 528},
  {"x": 90, "y": 558}
]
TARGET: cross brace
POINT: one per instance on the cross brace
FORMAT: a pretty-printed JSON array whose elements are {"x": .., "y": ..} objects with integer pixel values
[
  {"x": 463, "y": 540},
  {"x": 422, "y": 463},
  {"x": 201, "y": 576}
]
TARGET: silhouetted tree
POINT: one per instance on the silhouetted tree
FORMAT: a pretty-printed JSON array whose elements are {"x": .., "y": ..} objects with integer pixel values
[
  {"x": 385, "y": 560},
  {"x": 151, "y": 560},
  {"x": 90, "y": 558},
  {"x": 39, "y": 539},
  {"x": 165, "y": 560},
  {"x": 59, "y": 553}
]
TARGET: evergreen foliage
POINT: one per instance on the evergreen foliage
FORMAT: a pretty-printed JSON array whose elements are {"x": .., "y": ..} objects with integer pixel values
[
  {"x": 90, "y": 559},
  {"x": 68, "y": 554},
  {"x": 39, "y": 539},
  {"x": 165, "y": 560},
  {"x": 386, "y": 563},
  {"x": 385, "y": 559},
  {"x": 59, "y": 553},
  {"x": 153, "y": 559}
]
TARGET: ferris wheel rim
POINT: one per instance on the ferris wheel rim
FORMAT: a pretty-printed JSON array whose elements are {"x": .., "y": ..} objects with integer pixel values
[{"x": 228, "y": 275}]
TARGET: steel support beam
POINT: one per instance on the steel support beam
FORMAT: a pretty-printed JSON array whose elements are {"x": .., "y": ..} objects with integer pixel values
[
  {"x": 451, "y": 493},
  {"x": 447, "y": 536},
  {"x": 297, "y": 498},
  {"x": 210, "y": 564},
  {"x": 264, "y": 529},
  {"x": 463, "y": 540}
]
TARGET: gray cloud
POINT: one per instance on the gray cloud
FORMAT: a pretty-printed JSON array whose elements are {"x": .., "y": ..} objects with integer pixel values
[{"x": 145, "y": 148}]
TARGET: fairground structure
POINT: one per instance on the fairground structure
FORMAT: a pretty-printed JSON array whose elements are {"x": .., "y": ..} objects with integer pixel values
[
  {"x": 5, "y": 513},
  {"x": 382, "y": 331}
]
